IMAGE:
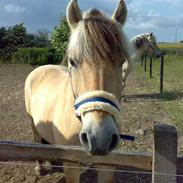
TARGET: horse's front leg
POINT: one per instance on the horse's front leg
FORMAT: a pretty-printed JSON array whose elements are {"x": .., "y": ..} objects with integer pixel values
[
  {"x": 37, "y": 139},
  {"x": 105, "y": 174},
  {"x": 72, "y": 172},
  {"x": 40, "y": 169},
  {"x": 123, "y": 91}
]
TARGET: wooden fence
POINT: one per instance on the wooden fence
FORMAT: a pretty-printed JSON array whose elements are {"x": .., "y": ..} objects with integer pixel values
[{"x": 163, "y": 163}]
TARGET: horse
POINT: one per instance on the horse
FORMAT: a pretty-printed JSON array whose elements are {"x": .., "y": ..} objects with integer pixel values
[
  {"x": 140, "y": 44},
  {"x": 80, "y": 104}
]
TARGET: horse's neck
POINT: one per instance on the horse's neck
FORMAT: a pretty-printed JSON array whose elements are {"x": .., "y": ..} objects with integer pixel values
[{"x": 136, "y": 53}]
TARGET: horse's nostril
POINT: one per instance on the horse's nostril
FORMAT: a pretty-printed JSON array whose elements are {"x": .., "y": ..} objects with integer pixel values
[
  {"x": 114, "y": 142},
  {"x": 84, "y": 140}
]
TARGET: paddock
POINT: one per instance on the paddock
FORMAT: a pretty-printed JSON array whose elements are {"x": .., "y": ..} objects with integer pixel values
[{"x": 15, "y": 125}]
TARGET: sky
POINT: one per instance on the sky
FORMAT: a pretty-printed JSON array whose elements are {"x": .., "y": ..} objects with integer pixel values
[{"x": 163, "y": 17}]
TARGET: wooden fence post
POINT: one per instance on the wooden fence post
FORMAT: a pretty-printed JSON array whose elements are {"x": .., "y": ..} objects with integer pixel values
[
  {"x": 161, "y": 73},
  {"x": 142, "y": 60},
  {"x": 145, "y": 62},
  {"x": 150, "y": 66},
  {"x": 164, "y": 165}
]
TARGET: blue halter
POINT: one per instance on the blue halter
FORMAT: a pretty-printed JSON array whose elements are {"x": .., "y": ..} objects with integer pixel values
[
  {"x": 96, "y": 99},
  {"x": 104, "y": 100}
]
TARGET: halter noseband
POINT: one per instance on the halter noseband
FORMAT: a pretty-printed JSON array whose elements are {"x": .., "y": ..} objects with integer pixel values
[{"x": 98, "y": 100}]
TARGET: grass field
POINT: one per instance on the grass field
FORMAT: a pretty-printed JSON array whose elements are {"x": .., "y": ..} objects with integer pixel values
[
  {"x": 170, "y": 45},
  {"x": 172, "y": 99},
  {"x": 172, "y": 48}
]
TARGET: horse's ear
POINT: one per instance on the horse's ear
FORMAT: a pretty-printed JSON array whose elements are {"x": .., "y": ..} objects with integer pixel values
[
  {"x": 73, "y": 14},
  {"x": 120, "y": 14},
  {"x": 151, "y": 34}
]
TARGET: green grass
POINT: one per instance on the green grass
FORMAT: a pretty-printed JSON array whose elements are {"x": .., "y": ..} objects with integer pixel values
[
  {"x": 170, "y": 45},
  {"x": 172, "y": 48},
  {"x": 171, "y": 101}
]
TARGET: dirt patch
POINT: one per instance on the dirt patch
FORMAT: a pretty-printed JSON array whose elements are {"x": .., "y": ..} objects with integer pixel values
[{"x": 140, "y": 113}]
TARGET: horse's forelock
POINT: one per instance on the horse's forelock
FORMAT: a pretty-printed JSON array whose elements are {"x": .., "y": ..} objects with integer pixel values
[
  {"x": 97, "y": 38},
  {"x": 92, "y": 13}
]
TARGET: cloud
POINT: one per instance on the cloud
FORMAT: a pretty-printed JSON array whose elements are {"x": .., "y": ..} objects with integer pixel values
[
  {"x": 12, "y": 8},
  {"x": 164, "y": 1},
  {"x": 142, "y": 18},
  {"x": 154, "y": 21},
  {"x": 153, "y": 13},
  {"x": 143, "y": 15},
  {"x": 169, "y": 22},
  {"x": 172, "y": 2}
]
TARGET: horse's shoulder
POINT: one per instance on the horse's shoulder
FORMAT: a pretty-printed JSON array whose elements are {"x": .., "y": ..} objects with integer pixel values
[
  {"x": 47, "y": 73},
  {"x": 48, "y": 70}
]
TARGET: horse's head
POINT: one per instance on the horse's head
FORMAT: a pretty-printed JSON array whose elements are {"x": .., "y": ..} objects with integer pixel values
[
  {"x": 153, "y": 49},
  {"x": 96, "y": 51}
]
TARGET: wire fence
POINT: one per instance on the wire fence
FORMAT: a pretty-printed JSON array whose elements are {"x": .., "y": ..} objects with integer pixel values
[
  {"x": 162, "y": 165},
  {"x": 84, "y": 168}
]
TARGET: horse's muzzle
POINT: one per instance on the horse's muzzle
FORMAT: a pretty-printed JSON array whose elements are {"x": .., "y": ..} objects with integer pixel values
[
  {"x": 92, "y": 146},
  {"x": 99, "y": 138}
]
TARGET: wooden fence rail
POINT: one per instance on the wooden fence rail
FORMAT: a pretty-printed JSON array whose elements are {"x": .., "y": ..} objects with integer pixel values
[
  {"x": 12, "y": 151},
  {"x": 164, "y": 159}
]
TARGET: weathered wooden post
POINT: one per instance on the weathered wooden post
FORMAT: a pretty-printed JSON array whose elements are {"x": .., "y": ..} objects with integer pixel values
[
  {"x": 142, "y": 60},
  {"x": 161, "y": 73},
  {"x": 154, "y": 58},
  {"x": 164, "y": 167},
  {"x": 150, "y": 67},
  {"x": 145, "y": 62}
]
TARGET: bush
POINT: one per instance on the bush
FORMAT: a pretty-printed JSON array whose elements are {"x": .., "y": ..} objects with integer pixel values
[
  {"x": 36, "y": 56},
  {"x": 60, "y": 36},
  {"x": 173, "y": 51}
]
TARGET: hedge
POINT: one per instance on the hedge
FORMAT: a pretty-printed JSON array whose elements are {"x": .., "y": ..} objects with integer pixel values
[
  {"x": 173, "y": 51},
  {"x": 36, "y": 56}
]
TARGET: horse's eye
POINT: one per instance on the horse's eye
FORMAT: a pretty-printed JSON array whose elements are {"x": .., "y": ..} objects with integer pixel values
[{"x": 72, "y": 63}]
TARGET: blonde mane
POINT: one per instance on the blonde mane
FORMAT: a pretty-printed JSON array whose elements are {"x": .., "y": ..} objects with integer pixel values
[{"x": 98, "y": 38}]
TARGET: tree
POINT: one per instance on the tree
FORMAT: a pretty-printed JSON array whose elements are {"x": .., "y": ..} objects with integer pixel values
[
  {"x": 60, "y": 36},
  {"x": 30, "y": 40},
  {"x": 11, "y": 39},
  {"x": 42, "y": 38},
  {"x": 3, "y": 41}
]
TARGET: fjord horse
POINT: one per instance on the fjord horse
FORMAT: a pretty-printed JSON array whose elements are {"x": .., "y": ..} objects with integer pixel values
[
  {"x": 80, "y": 104},
  {"x": 139, "y": 45}
]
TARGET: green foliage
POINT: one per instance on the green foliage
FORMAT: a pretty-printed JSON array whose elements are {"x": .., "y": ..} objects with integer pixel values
[
  {"x": 170, "y": 45},
  {"x": 14, "y": 37},
  {"x": 175, "y": 51},
  {"x": 60, "y": 36},
  {"x": 42, "y": 38},
  {"x": 36, "y": 56},
  {"x": 172, "y": 48},
  {"x": 10, "y": 39}
]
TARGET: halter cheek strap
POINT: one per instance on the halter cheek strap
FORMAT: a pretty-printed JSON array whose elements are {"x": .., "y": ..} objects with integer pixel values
[{"x": 70, "y": 76}]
